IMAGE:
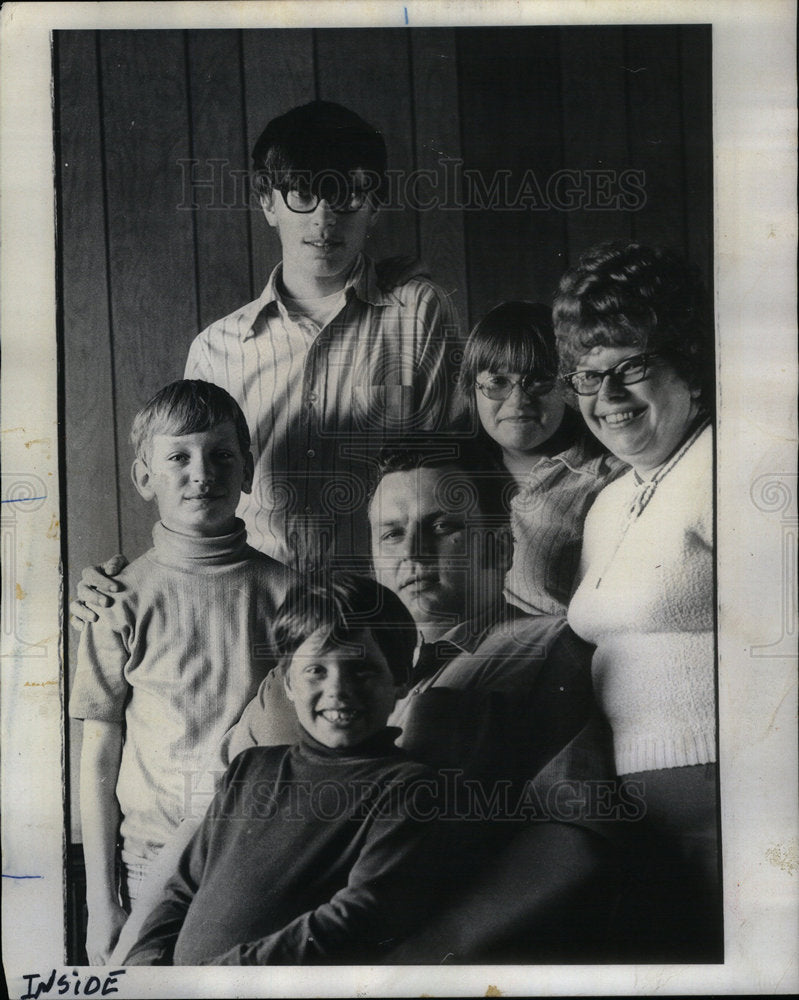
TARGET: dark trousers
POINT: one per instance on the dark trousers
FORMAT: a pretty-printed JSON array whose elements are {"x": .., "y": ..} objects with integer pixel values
[{"x": 670, "y": 905}]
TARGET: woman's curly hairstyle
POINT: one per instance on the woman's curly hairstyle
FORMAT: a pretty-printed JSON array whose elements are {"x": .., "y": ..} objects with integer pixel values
[{"x": 629, "y": 295}]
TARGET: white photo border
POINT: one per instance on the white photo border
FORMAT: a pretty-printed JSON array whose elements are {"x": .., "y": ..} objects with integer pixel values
[{"x": 755, "y": 257}]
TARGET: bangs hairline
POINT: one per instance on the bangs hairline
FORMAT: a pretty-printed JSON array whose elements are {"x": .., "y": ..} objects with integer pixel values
[
  {"x": 339, "y": 633},
  {"x": 516, "y": 355},
  {"x": 178, "y": 420}
]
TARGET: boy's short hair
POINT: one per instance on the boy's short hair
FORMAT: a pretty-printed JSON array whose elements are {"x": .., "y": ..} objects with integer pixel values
[
  {"x": 490, "y": 481},
  {"x": 186, "y": 407},
  {"x": 342, "y": 604},
  {"x": 318, "y": 142}
]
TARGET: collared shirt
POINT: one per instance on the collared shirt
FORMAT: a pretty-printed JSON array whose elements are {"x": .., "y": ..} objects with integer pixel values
[
  {"x": 508, "y": 693},
  {"x": 547, "y": 518},
  {"x": 321, "y": 401},
  {"x": 510, "y": 701},
  {"x": 488, "y": 650},
  {"x": 503, "y": 651}
]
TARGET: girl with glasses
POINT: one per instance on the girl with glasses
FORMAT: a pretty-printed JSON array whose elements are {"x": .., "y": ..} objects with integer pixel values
[{"x": 508, "y": 382}]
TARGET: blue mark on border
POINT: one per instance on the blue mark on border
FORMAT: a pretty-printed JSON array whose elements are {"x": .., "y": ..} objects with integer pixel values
[
  {"x": 406, "y": 14},
  {"x": 23, "y": 876},
  {"x": 23, "y": 500}
]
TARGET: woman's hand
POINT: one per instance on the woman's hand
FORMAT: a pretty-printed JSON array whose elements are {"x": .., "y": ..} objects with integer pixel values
[{"x": 95, "y": 590}]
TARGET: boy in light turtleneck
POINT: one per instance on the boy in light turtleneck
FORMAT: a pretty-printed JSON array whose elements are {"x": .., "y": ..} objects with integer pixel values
[{"x": 169, "y": 668}]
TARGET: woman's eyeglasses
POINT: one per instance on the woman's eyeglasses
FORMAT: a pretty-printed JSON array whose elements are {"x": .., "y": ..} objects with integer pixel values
[
  {"x": 500, "y": 386},
  {"x": 628, "y": 372}
]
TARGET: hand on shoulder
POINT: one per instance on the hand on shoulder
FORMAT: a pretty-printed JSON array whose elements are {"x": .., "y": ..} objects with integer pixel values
[{"x": 96, "y": 591}]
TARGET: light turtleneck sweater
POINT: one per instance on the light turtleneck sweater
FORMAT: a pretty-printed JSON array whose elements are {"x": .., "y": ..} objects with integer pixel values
[
  {"x": 176, "y": 658},
  {"x": 646, "y": 601}
]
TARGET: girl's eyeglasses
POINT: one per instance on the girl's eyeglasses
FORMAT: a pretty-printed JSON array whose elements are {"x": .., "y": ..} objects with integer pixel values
[{"x": 501, "y": 386}]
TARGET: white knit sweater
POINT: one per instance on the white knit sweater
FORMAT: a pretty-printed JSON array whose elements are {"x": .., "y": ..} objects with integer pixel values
[{"x": 646, "y": 601}]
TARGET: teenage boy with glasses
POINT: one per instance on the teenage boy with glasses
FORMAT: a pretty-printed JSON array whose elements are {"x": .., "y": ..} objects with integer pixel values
[
  {"x": 336, "y": 354},
  {"x": 332, "y": 355}
]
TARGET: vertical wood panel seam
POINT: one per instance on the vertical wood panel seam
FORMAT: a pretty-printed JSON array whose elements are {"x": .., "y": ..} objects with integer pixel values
[
  {"x": 683, "y": 144},
  {"x": 564, "y": 219},
  {"x": 109, "y": 282},
  {"x": 464, "y": 216},
  {"x": 190, "y": 128},
  {"x": 683, "y": 148},
  {"x": 625, "y": 48},
  {"x": 245, "y": 143},
  {"x": 414, "y": 136},
  {"x": 315, "y": 62},
  {"x": 562, "y": 116}
]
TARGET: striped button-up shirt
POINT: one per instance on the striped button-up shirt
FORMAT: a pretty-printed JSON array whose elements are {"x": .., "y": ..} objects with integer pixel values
[{"x": 320, "y": 402}]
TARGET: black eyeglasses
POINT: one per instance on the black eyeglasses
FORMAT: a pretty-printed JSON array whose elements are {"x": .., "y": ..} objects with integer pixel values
[
  {"x": 341, "y": 200},
  {"x": 628, "y": 372},
  {"x": 500, "y": 386}
]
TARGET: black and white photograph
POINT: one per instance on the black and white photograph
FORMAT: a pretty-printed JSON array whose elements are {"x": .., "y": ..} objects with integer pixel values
[{"x": 395, "y": 508}]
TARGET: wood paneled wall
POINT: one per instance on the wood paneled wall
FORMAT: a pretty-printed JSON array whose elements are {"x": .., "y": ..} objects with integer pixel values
[{"x": 142, "y": 271}]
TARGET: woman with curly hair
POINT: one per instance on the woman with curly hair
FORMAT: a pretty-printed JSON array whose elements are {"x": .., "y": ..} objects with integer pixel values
[{"x": 634, "y": 339}]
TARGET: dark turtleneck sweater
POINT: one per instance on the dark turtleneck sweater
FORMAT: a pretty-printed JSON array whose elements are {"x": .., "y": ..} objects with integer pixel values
[{"x": 307, "y": 855}]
